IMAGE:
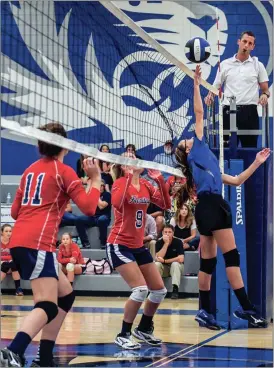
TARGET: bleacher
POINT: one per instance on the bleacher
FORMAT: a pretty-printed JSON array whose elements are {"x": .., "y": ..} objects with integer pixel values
[{"x": 104, "y": 284}]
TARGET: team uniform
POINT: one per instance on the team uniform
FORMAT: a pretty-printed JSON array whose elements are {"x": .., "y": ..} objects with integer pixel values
[
  {"x": 7, "y": 263},
  {"x": 125, "y": 242},
  {"x": 65, "y": 254},
  {"x": 45, "y": 189},
  {"x": 212, "y": 211}
]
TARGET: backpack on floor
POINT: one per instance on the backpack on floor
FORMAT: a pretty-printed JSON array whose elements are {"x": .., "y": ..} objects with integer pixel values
[{"x": 98, "y": 267}]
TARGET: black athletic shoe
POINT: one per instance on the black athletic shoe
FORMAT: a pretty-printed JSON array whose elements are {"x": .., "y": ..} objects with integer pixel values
[
  {"x": 10, "y": 359},
  {"x": 175, "y": 292},
  {"x": 36, "y": 363},
  {"x": 252, "y": 316}
]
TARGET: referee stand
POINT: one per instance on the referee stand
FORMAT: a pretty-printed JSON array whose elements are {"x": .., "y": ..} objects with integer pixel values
[{"x": 251, "y": 206}]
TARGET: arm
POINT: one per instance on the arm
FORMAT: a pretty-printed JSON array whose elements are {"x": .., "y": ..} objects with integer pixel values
[
  {"x": 192, "y": 236},
  {"x": 160, "y": 196},
  {"x": 265, "y": 94},
  {"x": 151, "y": 230},
  {"x": 162, "y": 251},
  {"x": 61, "y": 259},
  {"x": 102, "y": 204},
  {"x": 261, "y": 157},
  {"x": 119, "y": 191},
  {"x": 156, "y": 214},
  {"x": 198, "y": 105},
  {"x": 179, "y": 259}
]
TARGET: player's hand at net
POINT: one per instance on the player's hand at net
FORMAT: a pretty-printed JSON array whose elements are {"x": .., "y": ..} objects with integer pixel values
[
  {"x": 154, "y": 174},
  {"x": 263, "y": 155},
  {"x": 209, "y": 99},
  {"x": 91, "y": 168},
  {"x": 197, "y": 75}
]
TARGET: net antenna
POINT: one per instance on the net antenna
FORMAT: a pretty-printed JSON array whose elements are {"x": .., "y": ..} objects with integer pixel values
[{"x": 166, "y": 121}]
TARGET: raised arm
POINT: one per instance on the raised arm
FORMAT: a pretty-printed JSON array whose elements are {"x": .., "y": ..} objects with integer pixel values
[
  {"x": 198, "y": 104},
  {"x": 261, "y": 157},
  {"x": 160, "y": 196}
]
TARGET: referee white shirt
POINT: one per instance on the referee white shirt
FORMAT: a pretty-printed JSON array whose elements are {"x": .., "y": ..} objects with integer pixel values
[{"x": 241, "y": 79}]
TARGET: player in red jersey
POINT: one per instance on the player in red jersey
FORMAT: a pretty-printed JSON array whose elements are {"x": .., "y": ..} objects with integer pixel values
[
  {"x": 131, "y": 196},
  {"x": 45, "y": 189},
  {"x": 7, "y": 264}
]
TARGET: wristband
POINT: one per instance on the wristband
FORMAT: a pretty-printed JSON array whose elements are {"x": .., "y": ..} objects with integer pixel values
[{"x": 267, "y": 94}]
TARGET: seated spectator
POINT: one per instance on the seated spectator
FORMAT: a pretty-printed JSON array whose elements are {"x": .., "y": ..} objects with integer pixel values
[
  {"x": 185, "y": 228},
  {"x": 70, "y": 257},
  {"x": 80, "y": 171},
  {"x": 7, "y": 264},
  {"x": 150, "y": 235},
  {"x": 174, "y": 198},
  {"x": 130, "y": 148},
  {"x": 170, "y": 258},
  {"x": 167, "y": 157},
  {"x": 101, "y": 219},
  {"x": 158, "y": 214},
  {"x": 105, "y": 166},
  {"x": 176, "y": 181}
]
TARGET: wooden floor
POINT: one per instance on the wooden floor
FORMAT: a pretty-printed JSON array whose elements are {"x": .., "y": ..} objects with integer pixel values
[{"x": 86, "y": 338}]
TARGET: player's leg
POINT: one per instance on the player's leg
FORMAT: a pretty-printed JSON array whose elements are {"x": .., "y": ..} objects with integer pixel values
[
  {"x": 154, "y": 281},
  {"x": 208, "y": 260},
  {"x": 226, "y": 241},
  {"x": 122, "y": 259},
  {"x": 5, "y": 268},
  {"x": 50, "y": 332},
  {"x": 16, "y": 279}
]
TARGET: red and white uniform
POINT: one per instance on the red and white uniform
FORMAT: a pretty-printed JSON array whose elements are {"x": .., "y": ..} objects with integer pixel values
[
  {"x": 45, "y": 189},
  {"x": 5, "y": 252},
  {"x": 130, "y": 207},
  {"x": 65, "y": 254}
]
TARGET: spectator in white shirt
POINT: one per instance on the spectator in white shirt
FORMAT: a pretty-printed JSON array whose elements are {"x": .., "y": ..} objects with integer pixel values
[
  {"x": 185, "y": 228},
  {"x": 166, "y": 158},
  {"x": 150, "y": 235},
  {"x": 242, "y": 76}
]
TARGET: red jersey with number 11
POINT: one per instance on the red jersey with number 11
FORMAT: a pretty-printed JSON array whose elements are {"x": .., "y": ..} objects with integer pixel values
[{"x": 130, "y": 207}]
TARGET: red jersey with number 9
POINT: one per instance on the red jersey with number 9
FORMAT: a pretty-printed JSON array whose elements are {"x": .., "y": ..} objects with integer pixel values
[
  {"x": 130, "y": 207},
  {"x": 45, "y": 189}
]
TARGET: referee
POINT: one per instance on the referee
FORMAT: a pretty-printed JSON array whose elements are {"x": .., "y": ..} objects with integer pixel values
[{"x": 242, "y": 76}]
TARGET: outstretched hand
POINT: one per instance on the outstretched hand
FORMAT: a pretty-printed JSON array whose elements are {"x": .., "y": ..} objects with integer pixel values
[
  {"x": 197, "y": 75},
  {"x": 263, "y": 155},
  {"x": 154, "y": 174}
]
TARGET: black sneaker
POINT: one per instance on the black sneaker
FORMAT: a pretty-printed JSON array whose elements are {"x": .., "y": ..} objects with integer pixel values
[
  {"x": 175, "y": 292},
  {"x": 36, "y": 363},
  {"x": 252, "y": 316},
  {"x": 10, "y": 359},
  {"x": 147, "y": 337}
]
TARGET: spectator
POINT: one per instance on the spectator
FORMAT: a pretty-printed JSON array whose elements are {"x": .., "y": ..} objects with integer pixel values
[
  {"x": 170, "y": 258},
  {"x": 158, "y": 214},
  {"x": 104, "y": 166},
  {"x": 175, "y": 181},
  {"x": 185, "y": 227},
  {"x": 7, "y": 264},
  {"x": 130, "y": 148},
  {"x": 242, "y": 76},
  {"x": 70, "y": 257},
  {"x": 174, "y": 188},
  {"x": 166, "y": 158},
  {"x": 101, "y": 219},
  {"x": 80, "y": 171},
  {"x": 150, "y": 234}
]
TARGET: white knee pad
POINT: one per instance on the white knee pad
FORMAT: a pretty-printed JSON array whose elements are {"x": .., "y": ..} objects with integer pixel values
[
  {"x": 157, "y": 296},
  {"x": 70, "y": 267},
  {"x": 139, "y": 294}
]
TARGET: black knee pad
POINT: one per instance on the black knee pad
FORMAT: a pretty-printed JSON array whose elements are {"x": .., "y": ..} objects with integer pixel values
[
  {"x": 13, "y": 267},
  {"x": 232, "y": 258},
  {"x": 5, "y": 267},
  {"x": 49, "y": 308},
  {"x": 65, "y": 302},
  {"x": 208, "y": 265}
]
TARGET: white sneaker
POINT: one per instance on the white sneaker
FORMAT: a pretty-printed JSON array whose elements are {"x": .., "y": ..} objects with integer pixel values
[
  {"x": 147, "y": 337},
  {"x": 126, "y": 342}
]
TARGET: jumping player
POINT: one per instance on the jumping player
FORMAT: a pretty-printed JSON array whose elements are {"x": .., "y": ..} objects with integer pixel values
[
  {"x": 7, "y": 264},
  {"x": 213, "y": 216},
  {"x": 45, "y": 189},
  {"x": 131, "y": 196}
]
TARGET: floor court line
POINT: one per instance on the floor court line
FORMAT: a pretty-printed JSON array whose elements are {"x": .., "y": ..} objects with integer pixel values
[{"x": 185, "y": 351}]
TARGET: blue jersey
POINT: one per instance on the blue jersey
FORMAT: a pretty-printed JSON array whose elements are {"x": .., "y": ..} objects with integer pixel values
[{"x": 205, "y": 168}]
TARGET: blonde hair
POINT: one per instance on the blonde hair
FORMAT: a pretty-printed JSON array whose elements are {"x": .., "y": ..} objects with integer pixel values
[{"x": 189, "y": 218}]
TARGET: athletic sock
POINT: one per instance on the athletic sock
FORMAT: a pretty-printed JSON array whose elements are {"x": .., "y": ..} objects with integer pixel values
[
  {"x": 205, "y": 300},
  {"x": 20, "y": 343},
  {"x": 243, "y": 299},
  {"x": 145, "y": 323},
  {"x": 45, "y": 352},
  {"x": 126, "y": 328},
  {"x": 17, "y": 283}
]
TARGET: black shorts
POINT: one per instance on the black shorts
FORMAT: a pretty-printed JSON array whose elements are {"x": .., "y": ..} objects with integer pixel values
[
  {"x": 7, "y": 266},
  {"x": 118, "y": 255},
  {"x": 212, "y": 213},
  {"x": 33, "y": 264}
]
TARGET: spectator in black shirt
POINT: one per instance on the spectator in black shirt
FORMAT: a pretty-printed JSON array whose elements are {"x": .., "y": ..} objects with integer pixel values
[
  {"x": 101, "y": 219},
  {"x": 170, "y": 258}
]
